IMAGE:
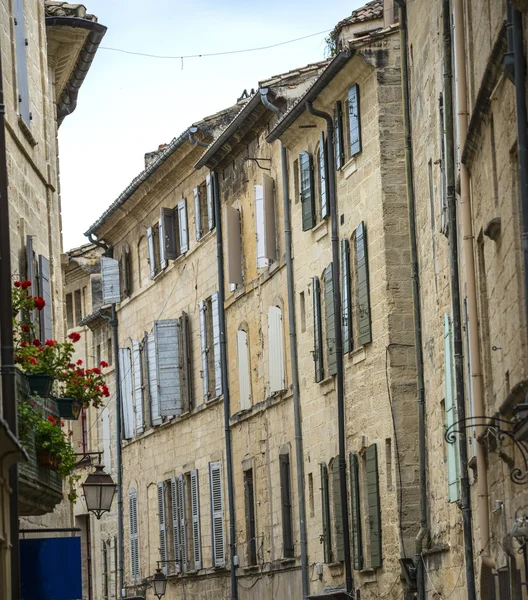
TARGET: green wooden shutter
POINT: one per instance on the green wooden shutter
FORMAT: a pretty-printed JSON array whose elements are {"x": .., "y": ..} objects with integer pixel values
[
  {"x": 354, "y": 127},
  {"x": 307, "y": 190},
  {"x": 348, "y": 344},
  {"x": 453, "y": 463},
  {"x": 325, "y": 507},
  {"x": 330, "y": 320},
  {"x": 374, "y": 506},
  {"x": 357, "y": 540},
  {"x": 318, "y": 333},
  {"x": 338, "y": 513},
  {"x": 286, "y": 503},
  {"x": 363, "y": 292}
]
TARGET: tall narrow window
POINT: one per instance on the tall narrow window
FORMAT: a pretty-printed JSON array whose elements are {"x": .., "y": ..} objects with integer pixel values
[
  {"x": 355, "y": 513},
  {"x": 318, "y": 330},
  {"x": 354, "y": 125},
  {"x": 251, "y": 530},
  {"x": 453, "y": 465},
  {"x": 210, "y": 343},
  {"x": 338, "y": 512},
  {"x": 21, "y": 43},
  {"x": 307, "y": 190},
  {"x": 374, "y": 506},
  {"x": 234, "y": 245},
  {"x": 323, "y": 176},
  {"x": 78, "y": 307},
  {"x": 303, "y": 312},
  {"x": 296, "y": 187},
  {"x": 134, "y": 534},
  {"x": 277, "y": 381},
  {"x": 286, "y": 503},
  {"x": 338, "y": 132},
  {"x": 330, "y": 320},
  {"x": 125, "y": 369},
  {"x": 346, "y": 292},
  {"x": 325, "y": 509},
  {"x": 69, "y": 311},
  {"x": 244, "y": 373},
  {"x": 363, "y": 285},
  {"x": 137, "y": 367},
  {"x": 163, "y": 548}
]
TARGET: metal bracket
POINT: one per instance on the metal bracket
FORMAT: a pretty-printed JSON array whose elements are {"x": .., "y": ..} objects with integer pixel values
[
  {"x": 256, "y": 160},
  {"x": 86, "y": 458}
]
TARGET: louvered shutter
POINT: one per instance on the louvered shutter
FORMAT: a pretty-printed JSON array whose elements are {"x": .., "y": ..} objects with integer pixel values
[
  {"x": 197, "y": 213},
  {"x": 307, "y": 190},
  {"x": 30, "y": 273},
  {"x": 151, "y": 253},
  {"x": 338, "y": 139},
  {"x": 330, "y": 320},
  {"x": 338, "y": 513},
  {"x": 216, "y": 344},
  {"x": 275, "y": 350},
  {"x": 205, "y": 350},
  {"x": 162, "y": 242},
  {"x": 187, "y": 363},
  {"x": 162, "y": 527},
  {"x": 210, "y": 206},
  {"x": 167, "y": 233},
  {"x": 348, "y": 344},
  {"x": 262, "y": 261},
  {"x": 363, "y": 291},
  {"x": 318, "y": 333},
  {"x": 354, "y": 125},
  {"x": 153, "y": 380},
  {"x": 195, "y": 510},
  {"x": 111, "y": 280},
  {"x": 357, "y": 539},
  {"x": 183, "y": 521},
  {"x": 176, "y": 535},
  {"x": 325, "y": 508},
  {"x": 21, "y": 62},
  {"x": 453, "y": 470},
  {"x": 166, "y": 334},
  {"x": 323, "y": 176},
  {"x": 217, "y": 513},
  {"x": 134, "y": 534},
  {"x": 286, "y": 505},
  {"x": 182, "y": 226},
  {"x": 270, "y": 237},
  {"x": 125, "y": 375},
  {"x": 374, "y": 506},
  {"x": 138, "y": 386},
  {"x": 233, "y": 245},
  {"x": 244, "y": 374},
  {"x": 46, "y": 314}
]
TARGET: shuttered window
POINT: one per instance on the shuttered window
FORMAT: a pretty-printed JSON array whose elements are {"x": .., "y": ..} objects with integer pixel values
[
  {"x": 355, "y": 510},
  {"x": 161, "y": 243},
  {"x": 323, "y": 176},
  {"x": 183, "y": 232},
  {"x": 21, "y": 43},
  {"x": 307, "y": 190},
  {"x": 176, "y": 535},
  {"x": 137, "y": 369},
  {"x": 31, "y": 272},
  {"x": 186, "y": 374},
  {"x": 276, "y": 350},
  {"x": 125, "y": 272},
  {"x": 127, "y": 410},
  {"x": 286, "y": 505},
  {"x": 134, "y": 534},
  {"x": 346, "y": 292},
  {"x": 244, "y": 374},
  {"x": 210, "y": 204},
  {"x": 453, "y": 461},
  {"x": 111, "y": 280},
  {"x": 197, "y": 212},
  {"x": 205, "y": 349},
  {"x": 325, "y": 510},
  {"x": 167, "y": 336},
  {"x": 363, "y": 289},
  {"x": 374, "y": 508},
  {"x": 354, "y": 125},
  {"x": 215, "y": 317},
  {"x": 217, "y": 513},
  {"x": 151, "y": 252},
  {"x": 46, "y": 314},
  {"x": 152, "y": 372},
  {"x": 233, "y": 245},
  {"x": 262, "y": 260},
  {"x": 251, "y": 526},
  {"x": 168, "y": 234},
  {"x": 195, "y": 511},
  {"x": 330, "y": 320},
  {"x": 338, "y": 513},
  {"x": 270, "y": 235},
  {"x": 318, "y": 330},
  {"x": 162, "y": 518},
  {"x": 338, "y": 133},
  {"x": 182, "y": 514}
]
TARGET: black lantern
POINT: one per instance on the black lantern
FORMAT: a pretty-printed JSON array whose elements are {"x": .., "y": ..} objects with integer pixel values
[
  {"x": 159, "y": 583},
  {"x": 99, "y": 489}
]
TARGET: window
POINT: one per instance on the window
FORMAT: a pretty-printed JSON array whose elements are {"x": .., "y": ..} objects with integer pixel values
[
  {"x": 362, "y": 295},
  {"x": 217, "y": 513},
  {"x": 318, "y": 330},
  {"x": 286, "y": 504},
  {"x": 174, "y": 237},
  {"x": 98, "y": 354},
  {"x": 338, "y": 132},
  {"x": 346, "y": 294},
  {"x": 453, "y": 465},
  {"x": 162, "y": 518},
  {"x": 125, "y": 272},
  {"x": 338, "y": 513},
  {"x": 354, "y": 126},
  {"x": 355, "y": 513},
  {"x": 388, "y": 463},
  {"x": 277, "y": 381},
  {"x": 44, "y": 289},
  {"x": 69, "y": 311},
  {"x": 303, "y": 312},
  {"x": 109, "y": 352},
  {"x": 143, "y": 254},
  {"x": 296, "y": 188},
  {"x": 78, "y": 308},
  {"x": 154, "y": 251},
  {"x": 311, "y": 495},
  {"x": 244, "y": 372},
  {"x": 374, "y": 508},
  {"x": 233, "y": 245},
  {"x": 210, "y": 342},
  {"x": 137, "y": 368},
  {"x": 330, "y": 320},
  {"x": 104, "y": 560},
  {"x": 307, "y": 190},
  {"x": 134, "y": 534},
  {"x": 326, "y": 536},
  {"x": 443, "y": 209},
  {"x": 203, "y": 207},
  {"x": 265, "y": 222},
  {"x": 251, "y": 531},
  {"x": 322, "y": 164},
  {"x": 125, "y": 382},
  {"x": 21, "y": 62}
]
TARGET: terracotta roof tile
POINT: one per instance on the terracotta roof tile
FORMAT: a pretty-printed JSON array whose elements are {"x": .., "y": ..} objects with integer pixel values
[{"x": 369, "y": 12}]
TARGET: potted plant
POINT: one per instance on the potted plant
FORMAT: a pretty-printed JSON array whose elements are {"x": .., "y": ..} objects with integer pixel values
[{"x": 86, "y": 386}]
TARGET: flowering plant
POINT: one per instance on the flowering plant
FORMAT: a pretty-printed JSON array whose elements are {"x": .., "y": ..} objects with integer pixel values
[{"x": 84, "y": 384}]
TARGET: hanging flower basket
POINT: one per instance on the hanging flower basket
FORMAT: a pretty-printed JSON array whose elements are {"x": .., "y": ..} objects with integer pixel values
[
  {"x": 40, "y": 384},
  {"x": 69, "y": 408},
  {"x": 46, "y": 459}
]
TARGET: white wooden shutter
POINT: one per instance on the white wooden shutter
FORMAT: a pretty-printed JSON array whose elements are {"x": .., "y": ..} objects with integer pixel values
[
  {"x": 182, "y": 226},
  {"x": 152, "y": 369},
  {"x": 138, "y": 386},
  {"x": 21, "y": 62},
  {"x": 244, "y": 374},
  {"x": 167, "y": 336},
  {"x": 262, "y": 261},
  {"x": 151, "y": 254},
  {"x": 110, "y": 278},
  {"x": 195, "y": 510},
  {"x": 216, "y": 344},
  {"x": 134, "y": 534},
  {"x": 183, "y": 521},
  {"x": 176, "y": 524},
  {"x": 270, "y": 236},
  {"x": 275, "y": 349},
  {"x": 234, "y": 245},
  {"x": 162, "y": 527},
  {"x": 125, "y": 375},
  {"x": 203, "y": 340},
  {"x": 217, "y": 513},
  {"x": 453, "y": 466},
  {"x": 46, "y": 314},
  {"x": 161, "y": 243},
  {"x": 210, "y": 207},
  {"x": 197, "y": 213}
]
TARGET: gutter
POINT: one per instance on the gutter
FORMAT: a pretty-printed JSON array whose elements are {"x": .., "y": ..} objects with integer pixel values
[{"x": 67, "y": 103}]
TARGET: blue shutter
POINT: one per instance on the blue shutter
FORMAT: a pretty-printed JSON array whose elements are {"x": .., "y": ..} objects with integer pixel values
[
  {"x": 216, "y": 344},
  {"x": 138, "y": 386},
  {"x": 354, "y": 125},
  {"x": 46, "y": 314},
  {"x": 330, "y": 320},
  {"x": 21, "y": 62},
  {"x": 348, "y": 345},
  {"x": 166, "y": 334},
  {"x": 374, "y": 508},
  {"x": 125, "y": 375},
  {"x": 363, "y": 291},
  {"x": 338, "y": 133},
  {"x": 318, "y": 330},
  {"x": 453, "y": 465},
  {"x": 152, "y": 371},
  {"x": 205, "y": 350},
  {"x": 323, "y": 177},
  {"x": 183, "y": 522},
  {"x": 307, "y": 190},
  {"x": 176, "y": 534},
  {"x": 134, "y": 534},
  {"x": 111, "y": 280},
  {"x": 195, "y": 512},
  {"x": 162, "y": 528}
]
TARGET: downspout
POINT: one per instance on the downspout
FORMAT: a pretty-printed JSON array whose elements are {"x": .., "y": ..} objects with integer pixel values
[
  {"x": 465, "y": 494},
  {"x": 193, "y": 140},
  {"x": 417, "y": 307},
  {"x": 339, "y": 342},
  {"x": 297, "y": 415},
  {"x": 98, "y": 243},
  {"x": 466, "y": 226},
  {"x": 7, "y": 359},
  {"x": 225, "y": 383}
]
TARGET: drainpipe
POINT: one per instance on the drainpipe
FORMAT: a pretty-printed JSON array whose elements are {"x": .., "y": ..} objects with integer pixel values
[
  {"x": 469, "y": 263},
  {"x": 99, "y": 243},
  {"x": 7, "y": 359},
  {"x": 193, "y": 140},
  {"x": 225, "y": 384},
  {"x": 465, "y": 497},
  {"x": 339, "y": 341},
  {"x": 297, "y": 415},
  {"x": 417, "y": 307}
]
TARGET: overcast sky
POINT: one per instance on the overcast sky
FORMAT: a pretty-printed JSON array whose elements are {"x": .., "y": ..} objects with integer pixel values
[{"x": 128, "y": 105}]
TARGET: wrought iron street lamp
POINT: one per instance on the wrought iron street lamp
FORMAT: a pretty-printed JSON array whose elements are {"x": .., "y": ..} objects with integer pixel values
[
  {"x": 99, "y": 489},
  {"x": 159, "y": 583}
]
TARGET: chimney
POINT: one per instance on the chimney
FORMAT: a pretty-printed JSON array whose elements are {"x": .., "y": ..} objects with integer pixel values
[{"x": 150, "y": 157}]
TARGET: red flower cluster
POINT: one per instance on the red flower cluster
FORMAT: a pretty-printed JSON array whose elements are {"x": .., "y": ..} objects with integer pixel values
[
  {"x": 105, "y": 390},
  {"x": 24, "y": 284},
  {"x": 74, "y": 336},
  {"x": 103, "y": 364},
  {"x": 36, "y": 342},
  {"x": 50, "y": 342},
  {"x": 79, "y": 362},
  {"x": 39, "y": 303}
]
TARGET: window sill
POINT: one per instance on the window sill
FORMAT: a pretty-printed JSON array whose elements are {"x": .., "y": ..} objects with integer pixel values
[
  {"x": 251, "y": 568},
  {"x": 320, "y": 231},
  {"x": 27, "y": 132},
  {"x": 349, "y": 168},
  {"x": 247, "y": 413},
  {"x": 358, "y": 355},
  {"x": 327, "y": 385}
]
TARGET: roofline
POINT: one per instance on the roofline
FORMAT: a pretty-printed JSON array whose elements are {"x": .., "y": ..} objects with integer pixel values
[
  {"x": 67, "y": 103},
  {"x": 299, "y": 107}
]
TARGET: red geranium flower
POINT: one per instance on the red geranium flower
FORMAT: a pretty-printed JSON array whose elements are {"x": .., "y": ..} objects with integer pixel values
[
  {"x": 36, "y": 342},
  {"x": 51, "y": 419},
  {"x": 103, "y": 364},
  {"x": 25, "y": 328},
  {"x": 96, "y": 371},
  {"x": 50, "y": 342},
  {"x": 74, "y": 336},
  {"x": 26, "y": 284},
  {"x": 17, "y": 284},
  {"x": 33, "y": 361},
  {"x": 39, "y": 303},
  {"x": 23, "y": 344},
  {"x": 79, "y": 362}
]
